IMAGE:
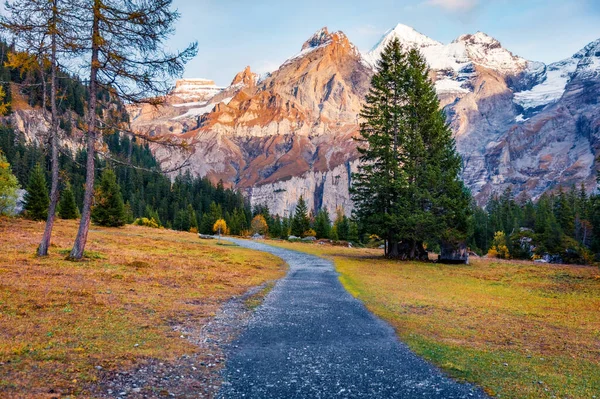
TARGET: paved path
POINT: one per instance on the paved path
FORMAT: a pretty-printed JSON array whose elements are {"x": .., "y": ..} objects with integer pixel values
[{"x": 312, "y": 339}]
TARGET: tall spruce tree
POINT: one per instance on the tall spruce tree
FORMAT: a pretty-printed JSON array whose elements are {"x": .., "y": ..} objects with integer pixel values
[
  {"x": 109, "y": 209},
  {"x": 300, "y": 220},
  {"x": 408, "y": 188},
  {"x": 36, "y": 198}
]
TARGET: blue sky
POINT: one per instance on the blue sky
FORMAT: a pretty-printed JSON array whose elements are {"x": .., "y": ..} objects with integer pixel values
[{"x": 233, "y": 33}]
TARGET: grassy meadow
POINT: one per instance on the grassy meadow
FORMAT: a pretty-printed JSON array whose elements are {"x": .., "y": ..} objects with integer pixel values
[
  {"x": 59, "y": 320},
  {"x": 517, "y": 329}
]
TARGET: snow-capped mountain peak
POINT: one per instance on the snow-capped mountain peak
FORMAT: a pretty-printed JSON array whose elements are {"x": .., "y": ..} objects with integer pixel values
[
  {"x": 589, "y": 64},
  {"x": 488, "y": 52},
  {"x": 407, "y": 36},
  {"x": 479, "y": 38},
  {"x": 478, "y": 48}
]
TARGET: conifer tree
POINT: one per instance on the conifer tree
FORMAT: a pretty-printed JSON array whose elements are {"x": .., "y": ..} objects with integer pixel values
[
  {"x": 8, "y": 187},
  {"x": 67, "y": 207},
  {"x": 182, "y": 220},
  {"x": 342, "y": 225},
  {"x": 126, "y": 44},
  {"x": 300, "y": 220},
  {"x": 209, "y": 218},
  {"x": 285, "y": 228},
  {"x": 563, "y": 212},
  {"x": 109, "y": 209},
  {"x": 408, "y": 188},
  {"x": 276, "y": 229},
  {"x": 36, "y": 198},
  {"x": 193, "y": 219},
  {"x": 353, "y": 233},
  {"x": 323, "y": 224}
]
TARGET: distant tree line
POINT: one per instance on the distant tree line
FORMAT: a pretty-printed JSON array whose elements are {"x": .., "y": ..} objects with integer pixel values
[
  {"x": 185, "y": 203},
  {"x": 302, "y": 223},
  {"x": 563, "y": 225}
]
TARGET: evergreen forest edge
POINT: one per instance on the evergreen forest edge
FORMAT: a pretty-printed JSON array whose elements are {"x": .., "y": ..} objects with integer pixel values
[{"x": 560, "y": 223}]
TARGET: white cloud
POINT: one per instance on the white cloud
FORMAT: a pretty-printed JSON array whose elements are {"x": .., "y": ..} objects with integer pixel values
[{"x": 455, "y": 5}]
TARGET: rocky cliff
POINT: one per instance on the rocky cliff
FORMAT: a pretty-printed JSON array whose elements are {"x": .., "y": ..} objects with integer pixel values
[{"x": 517, "y": 123}]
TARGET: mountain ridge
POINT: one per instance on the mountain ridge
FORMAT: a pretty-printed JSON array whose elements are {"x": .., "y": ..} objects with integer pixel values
[{"x": 291, "y": 132}]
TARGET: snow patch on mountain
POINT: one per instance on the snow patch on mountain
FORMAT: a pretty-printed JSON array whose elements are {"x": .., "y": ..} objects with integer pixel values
[
  {"x": 552, "y": 87},
  {"x": 196, "y": 89},
  {"x": 583, "y": 64},
  {"x": 450, "y": 86},
  {"x": 205, "y": 108}
]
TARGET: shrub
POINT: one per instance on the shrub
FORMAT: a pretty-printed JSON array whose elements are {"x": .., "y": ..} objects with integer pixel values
[
  {"x": 309, "y": 233},
  {"x": 146, "y": 223},
  {"x": 499, "y": 248},
  {"x": 259, "y": 225}
]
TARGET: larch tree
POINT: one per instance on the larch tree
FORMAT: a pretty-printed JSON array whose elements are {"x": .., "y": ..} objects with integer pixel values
[
  {"x": 408, "y": 187},
  {"x": 41, "y": 29},
  {"x": 220, "y": 227},
  {"x": 128, "y": 60},
  {"x": 259, "y": 225}
]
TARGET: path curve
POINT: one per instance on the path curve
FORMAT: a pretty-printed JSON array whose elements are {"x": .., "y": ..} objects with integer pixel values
[{"x": 311, "y": 339}]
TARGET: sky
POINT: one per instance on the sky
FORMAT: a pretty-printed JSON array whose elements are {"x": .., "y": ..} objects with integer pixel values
[{"x": 232, "y": 34}]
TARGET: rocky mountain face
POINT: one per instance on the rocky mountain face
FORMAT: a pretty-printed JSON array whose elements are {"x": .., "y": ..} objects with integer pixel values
[{"x": 517, "y": 123}]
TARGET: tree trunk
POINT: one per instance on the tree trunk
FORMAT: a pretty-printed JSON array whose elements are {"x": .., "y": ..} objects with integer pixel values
[
  {"x": 393, "y": 252},
  {"x": 54, "y": 192},
  {"x": 84, "y": 224},
  {"x": 413, "y": 250}
]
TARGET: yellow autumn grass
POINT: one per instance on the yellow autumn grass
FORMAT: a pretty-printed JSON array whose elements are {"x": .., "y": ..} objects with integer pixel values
[
  {"x": 59, "y": 319},
  {"x": 517, "y": 329}
]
